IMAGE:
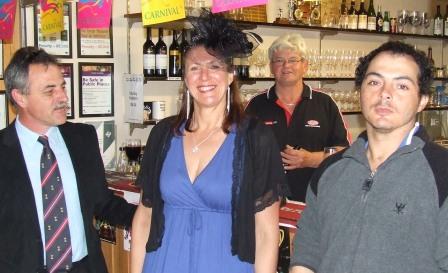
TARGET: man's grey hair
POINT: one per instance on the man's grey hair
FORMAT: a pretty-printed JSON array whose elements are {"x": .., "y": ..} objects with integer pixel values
[
  {"x": 16, "y": 73},
  {"x": 293, "y": 42}
]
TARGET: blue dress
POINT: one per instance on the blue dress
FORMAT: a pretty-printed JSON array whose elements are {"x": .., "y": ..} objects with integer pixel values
[{"x": 197, "y": 216}]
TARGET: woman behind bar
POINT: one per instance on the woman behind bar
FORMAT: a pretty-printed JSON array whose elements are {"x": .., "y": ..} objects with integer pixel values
[{"x": 211, "y": 178}]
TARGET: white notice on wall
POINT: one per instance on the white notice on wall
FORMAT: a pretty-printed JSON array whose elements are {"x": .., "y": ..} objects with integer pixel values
[
  {"x": 106, "y": 139},
  {"x": 133, "y": 93}
]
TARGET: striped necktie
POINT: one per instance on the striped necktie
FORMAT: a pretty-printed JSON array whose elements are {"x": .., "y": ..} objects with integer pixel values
[{"x": 57, "y": 234}]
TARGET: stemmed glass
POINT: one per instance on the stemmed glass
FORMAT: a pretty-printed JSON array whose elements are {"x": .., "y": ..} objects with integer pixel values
[
  {"x": 133, "y": 149},
  {"x": 415, "y": 20},
  {"x": 402, "y": 19},
  {"x": 426, "y": 21}
]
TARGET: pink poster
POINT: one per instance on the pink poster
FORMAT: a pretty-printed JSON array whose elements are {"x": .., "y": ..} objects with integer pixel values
[
  {"x": 94, "y": 13},
  {"x": 223, "y": 5},
  {"x": 7, "y": 13}
]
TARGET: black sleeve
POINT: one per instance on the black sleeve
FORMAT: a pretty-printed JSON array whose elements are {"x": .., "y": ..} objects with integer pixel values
[
  {"x": 152, "y": 158},
  {"x": 339, "y": 135},
  {"x": 108, "y": 206},
  {"x": 269, "y": 176}
]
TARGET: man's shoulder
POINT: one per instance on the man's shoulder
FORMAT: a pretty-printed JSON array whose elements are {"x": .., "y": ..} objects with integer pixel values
[
  {"x": 260, "y": 98},
  {"x": 321, "y": 96},
  {"x": 70, "y": 127},
  {"x": 326, "y": 163}
]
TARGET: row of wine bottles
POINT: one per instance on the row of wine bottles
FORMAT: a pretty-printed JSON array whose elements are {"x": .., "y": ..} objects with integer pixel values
[
  {"x": 361, "y": 19},
  {"x": 160, "y": 61}
]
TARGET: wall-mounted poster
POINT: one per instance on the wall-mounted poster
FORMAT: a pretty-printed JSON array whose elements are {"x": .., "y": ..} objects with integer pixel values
[
  {"x": 1, "y": 59},
  {"x": 95, "y": 43},
  {"x": 58, "y": 44},
  {"x": 67, "y": 73},
  {"x": 3, "y": 110},
  {"x": 96, "y": 89}
]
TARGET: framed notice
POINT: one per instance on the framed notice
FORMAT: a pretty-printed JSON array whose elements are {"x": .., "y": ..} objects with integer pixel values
[
  {"x": 58, "y": 44},
  {"x": 67, "y": 73},
  {"x": 96, "y": 89},
  {"x": 1, "y": 59},
  {"x": 95, "y": 43},
  {"x": 3, "y": 110}
]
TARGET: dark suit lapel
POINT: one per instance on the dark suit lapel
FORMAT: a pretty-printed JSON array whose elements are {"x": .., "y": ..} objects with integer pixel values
[{"x": 21, "y": 183}]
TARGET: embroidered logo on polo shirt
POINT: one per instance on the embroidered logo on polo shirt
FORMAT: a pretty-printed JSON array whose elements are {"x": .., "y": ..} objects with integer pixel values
[
  {"x": 312, "y": 123},
  {"x": 270, "y": 122}
]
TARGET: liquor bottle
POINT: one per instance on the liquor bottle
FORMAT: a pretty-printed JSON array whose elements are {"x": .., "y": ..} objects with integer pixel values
[
  {"x": 371, "y": 17},
  {"x": 379, "y": 20},
  {"x": 386, "y": 22},
  {"x": 149, "y": 56},
  {"x": 438, "y": 23},
  {"x": 174, "y": 56},
  {"x": 431, "y": 60},
  {"x": 352, "y": 16},
  {"x": 362, "y": 16},
  {"x": 343, "y": 16},
  {"x": 183, "y": 48},
  {"x": 445, "y": 22},
  {"x": 161, "y": 56}
]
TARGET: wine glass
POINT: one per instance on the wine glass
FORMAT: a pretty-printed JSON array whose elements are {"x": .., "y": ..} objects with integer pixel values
[
  {"x": 402, "y": 19},
  {"x": 329, "y": 151},
  {"x": 133, "y": 149},
  {"x": 415, "y": 20},
  {"x": 426, "y": 22}
]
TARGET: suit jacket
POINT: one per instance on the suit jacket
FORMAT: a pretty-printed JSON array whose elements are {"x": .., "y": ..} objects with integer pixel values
[{"x": 20, "y": 239}]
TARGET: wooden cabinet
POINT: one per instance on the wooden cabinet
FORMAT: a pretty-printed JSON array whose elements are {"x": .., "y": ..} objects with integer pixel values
[{"x": 117, "y": 259}]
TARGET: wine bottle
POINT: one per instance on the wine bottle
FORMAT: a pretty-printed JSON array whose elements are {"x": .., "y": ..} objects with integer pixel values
[
  {"x": 183, "y": 48},
  {"x": 379, "y": 20},
  {"x": 386, "y": 22},
  {"x": 174, "y": 64},
  {"x": 161, "y": 56},
  {"x": 371, "y": 17},
  {"x": 343, "y": 16},
  {"x": 352, "y": 16},
  {"x": 362, "y": 16},
  {"x": 149, "y": 56},
  {"x": 438, "y": 23},
  {"x": 445, "y": 22}
]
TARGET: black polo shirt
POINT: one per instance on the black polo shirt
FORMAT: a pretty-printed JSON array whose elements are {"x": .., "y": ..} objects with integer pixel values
[{"x": 315, "y": 123}]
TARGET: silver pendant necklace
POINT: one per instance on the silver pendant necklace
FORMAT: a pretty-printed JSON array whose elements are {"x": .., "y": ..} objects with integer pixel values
[{"x": 195, "y": 148}]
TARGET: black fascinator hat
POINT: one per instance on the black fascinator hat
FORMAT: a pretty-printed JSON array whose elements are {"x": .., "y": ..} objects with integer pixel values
[{"x": 221, "y": 37}]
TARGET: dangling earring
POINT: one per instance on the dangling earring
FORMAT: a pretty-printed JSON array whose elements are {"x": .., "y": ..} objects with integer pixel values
[
  {"x": 188, "y": 103},
  {"x": 228, "y": 100}
]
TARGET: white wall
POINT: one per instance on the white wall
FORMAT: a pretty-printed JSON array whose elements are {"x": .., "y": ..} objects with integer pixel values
[{"x": 168, "y": 91}]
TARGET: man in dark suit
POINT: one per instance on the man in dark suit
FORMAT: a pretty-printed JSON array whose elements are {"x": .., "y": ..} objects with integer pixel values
[{"x": 36, "y": 87}]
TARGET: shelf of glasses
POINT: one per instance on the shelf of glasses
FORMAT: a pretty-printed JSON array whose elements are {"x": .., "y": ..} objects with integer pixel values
[{"x": 183, "y": 23}]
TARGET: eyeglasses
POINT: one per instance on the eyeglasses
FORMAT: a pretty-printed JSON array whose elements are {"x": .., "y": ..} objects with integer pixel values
[{"x": 292, "y": 61}]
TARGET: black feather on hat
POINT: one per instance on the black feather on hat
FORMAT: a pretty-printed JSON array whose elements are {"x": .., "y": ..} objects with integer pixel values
[{"x": 220, "y": 36}]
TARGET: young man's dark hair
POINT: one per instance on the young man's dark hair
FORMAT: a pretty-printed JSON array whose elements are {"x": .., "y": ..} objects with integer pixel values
[{"x": 399, "y": 48}]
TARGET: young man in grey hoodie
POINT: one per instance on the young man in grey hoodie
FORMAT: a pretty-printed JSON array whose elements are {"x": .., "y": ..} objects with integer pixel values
[{"x": 379, "y": 206}]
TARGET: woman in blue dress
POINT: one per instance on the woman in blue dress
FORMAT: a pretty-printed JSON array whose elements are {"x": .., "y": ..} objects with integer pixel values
[{"x": 211, "y": 178}]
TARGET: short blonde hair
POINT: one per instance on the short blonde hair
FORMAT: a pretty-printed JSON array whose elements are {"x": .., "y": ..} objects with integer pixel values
[{"x": 293, "y": 42}]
